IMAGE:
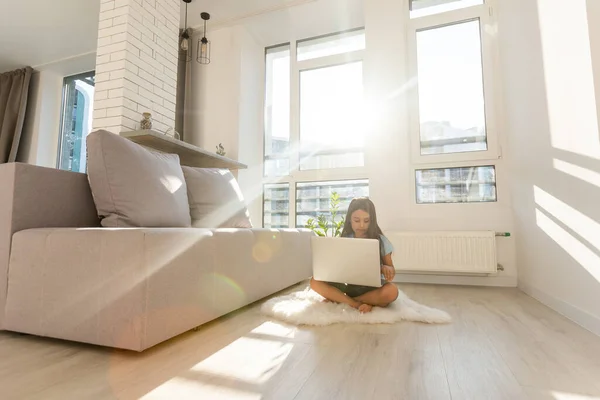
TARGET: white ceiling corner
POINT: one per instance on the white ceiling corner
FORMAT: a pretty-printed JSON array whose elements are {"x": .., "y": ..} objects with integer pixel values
[
  {"x": 230, "y": 12},
  {"x": 41, "y": 32}
]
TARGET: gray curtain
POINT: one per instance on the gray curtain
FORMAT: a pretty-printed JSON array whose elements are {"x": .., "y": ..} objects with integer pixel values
[{"x": 14, "y": 89}]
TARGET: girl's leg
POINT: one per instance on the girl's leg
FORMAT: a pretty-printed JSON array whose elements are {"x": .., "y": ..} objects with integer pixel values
[
  {"x": 380, "y": 297},
  {"x": 332, "y": 293}
]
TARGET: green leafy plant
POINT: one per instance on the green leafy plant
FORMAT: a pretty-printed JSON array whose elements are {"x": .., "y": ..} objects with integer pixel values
[{"x": 322, "y": 226}]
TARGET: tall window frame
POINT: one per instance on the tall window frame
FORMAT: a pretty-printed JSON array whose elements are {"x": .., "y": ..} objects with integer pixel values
[
  {"x": 484, "y": 13},
  {"x": 297, "y": 175},
  {"x": 75, "y": 121}
]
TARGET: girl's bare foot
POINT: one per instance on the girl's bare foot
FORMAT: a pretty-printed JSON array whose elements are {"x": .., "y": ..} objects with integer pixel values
[
  {"x": 365, "y": 308},
  {"x": 362, "y": 307}
]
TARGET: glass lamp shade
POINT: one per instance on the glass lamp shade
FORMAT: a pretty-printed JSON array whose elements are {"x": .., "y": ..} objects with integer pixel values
[{"x": 203, "y": 53}]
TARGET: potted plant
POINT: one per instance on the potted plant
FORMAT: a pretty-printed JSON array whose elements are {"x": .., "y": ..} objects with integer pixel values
[{"x": 322, "y": 226}]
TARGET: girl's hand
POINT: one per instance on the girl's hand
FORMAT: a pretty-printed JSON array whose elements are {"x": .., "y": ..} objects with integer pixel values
[{"x": 388, "y": 272}]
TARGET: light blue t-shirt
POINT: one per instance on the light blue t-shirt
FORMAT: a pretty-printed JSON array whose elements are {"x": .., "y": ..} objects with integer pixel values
[{"x": 386, "y": 246}]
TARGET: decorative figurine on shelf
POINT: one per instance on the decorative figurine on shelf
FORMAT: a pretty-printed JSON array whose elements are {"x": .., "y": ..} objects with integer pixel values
[
  {"x": 221, "y": 150},
  {"x": 146, "y": 122}
]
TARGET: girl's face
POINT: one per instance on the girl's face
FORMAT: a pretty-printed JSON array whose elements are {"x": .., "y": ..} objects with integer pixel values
[{"x": 360, "y": 223}]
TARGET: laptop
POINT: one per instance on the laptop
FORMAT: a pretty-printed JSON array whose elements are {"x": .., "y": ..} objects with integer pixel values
[{"x": 346, "y": 260}]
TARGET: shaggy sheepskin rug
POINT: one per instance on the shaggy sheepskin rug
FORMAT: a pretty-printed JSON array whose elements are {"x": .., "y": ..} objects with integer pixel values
[{"x": 308, "y": 308}]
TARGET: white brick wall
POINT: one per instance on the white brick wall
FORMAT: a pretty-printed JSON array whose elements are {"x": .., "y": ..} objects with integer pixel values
[{"x": 136, "y": 64}]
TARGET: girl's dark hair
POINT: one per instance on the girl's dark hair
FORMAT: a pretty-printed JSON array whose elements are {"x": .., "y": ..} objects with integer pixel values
[{"x": 365, "y": 204}]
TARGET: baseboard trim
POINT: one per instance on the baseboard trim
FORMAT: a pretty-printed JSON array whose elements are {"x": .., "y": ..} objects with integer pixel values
[
  {"x": 494, "y": 281},
  {"x": 575, "y": 314}
]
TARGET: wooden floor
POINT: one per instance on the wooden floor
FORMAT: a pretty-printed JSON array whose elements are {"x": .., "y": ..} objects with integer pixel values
[{"x": 501, "y": 345}]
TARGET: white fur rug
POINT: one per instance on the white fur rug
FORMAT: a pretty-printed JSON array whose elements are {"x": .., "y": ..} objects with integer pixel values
[{"x": 308, "y": 308}]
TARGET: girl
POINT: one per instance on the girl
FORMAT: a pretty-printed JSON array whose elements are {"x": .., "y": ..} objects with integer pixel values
[{"x": 361, "y": 223}]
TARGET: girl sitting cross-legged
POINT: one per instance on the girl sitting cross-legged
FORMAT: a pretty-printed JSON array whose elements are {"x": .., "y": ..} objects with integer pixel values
[{"x": 361, "y": 223}]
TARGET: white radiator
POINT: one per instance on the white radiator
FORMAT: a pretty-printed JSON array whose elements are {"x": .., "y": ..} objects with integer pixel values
[{"x": 444, "y": 252}]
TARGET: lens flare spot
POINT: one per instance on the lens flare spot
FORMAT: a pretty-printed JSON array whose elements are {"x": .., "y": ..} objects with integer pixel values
[
  {"x": 262, "y": 252},
  {"x": 267, "y": 245},
  {"x": 223, "y": 282}
]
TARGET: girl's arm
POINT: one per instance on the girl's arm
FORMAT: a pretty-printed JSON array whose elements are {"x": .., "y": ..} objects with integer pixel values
[{"x": 387, "y": 269}]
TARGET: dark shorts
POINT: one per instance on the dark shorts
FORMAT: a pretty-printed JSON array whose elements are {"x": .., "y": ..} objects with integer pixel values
[{"x": 353, "y": 290}]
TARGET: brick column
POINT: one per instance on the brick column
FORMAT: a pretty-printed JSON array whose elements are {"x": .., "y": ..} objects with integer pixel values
[{"x": 136, "y": 64}]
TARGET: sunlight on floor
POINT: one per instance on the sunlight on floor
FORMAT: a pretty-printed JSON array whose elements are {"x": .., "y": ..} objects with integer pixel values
[
  {"x": 252, "y": 360},
  {"x": 578, "y": 172},
  {"x": 276, "y": 330},
  {"x": 237, "y": 371},
  {"x": 180, "y": 389},
  {"x": 580, "y": 252},
  {"x": 571, "y": 396}
]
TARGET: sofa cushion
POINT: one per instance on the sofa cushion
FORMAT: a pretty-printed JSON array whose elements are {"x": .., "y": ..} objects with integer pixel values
[
  {"x": 135, "y": 187},
  {"x": 215, "y": 199}
]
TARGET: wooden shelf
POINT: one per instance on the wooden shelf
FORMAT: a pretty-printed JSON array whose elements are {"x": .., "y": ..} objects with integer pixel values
[{"x": 189, "y": 155}]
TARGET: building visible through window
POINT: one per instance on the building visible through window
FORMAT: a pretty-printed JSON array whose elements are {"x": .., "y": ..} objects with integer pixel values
[{"x": 76, "y": 122}]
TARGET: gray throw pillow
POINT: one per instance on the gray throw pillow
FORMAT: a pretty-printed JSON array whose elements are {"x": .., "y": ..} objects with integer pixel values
[
  {"x": 135, "y": 187},
  {"x": 215, "y": 199}
]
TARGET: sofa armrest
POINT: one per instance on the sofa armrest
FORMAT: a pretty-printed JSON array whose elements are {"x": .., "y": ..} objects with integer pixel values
[{"x": 38, "y": 197}]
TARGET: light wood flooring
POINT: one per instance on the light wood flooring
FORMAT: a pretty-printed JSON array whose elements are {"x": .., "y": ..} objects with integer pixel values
[{"x": 501, "y": 345}]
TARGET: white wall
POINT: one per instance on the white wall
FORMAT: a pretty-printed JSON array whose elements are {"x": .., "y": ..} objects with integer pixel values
[
  {"x": 551, "y": 66},
  {"x": 226, "y": 106},
  {"x": 215, "y": 94},
  {"x": 228, "y": 95},
  {"x": 39, "y": 142}
]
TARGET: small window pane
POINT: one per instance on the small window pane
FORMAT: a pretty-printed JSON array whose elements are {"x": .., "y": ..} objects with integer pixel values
[
  {"x": 78, "y": 111},
  {"x": 276, "y": 205},
  {"x": 329, "y": 45},
  {"x": 421, "y": 8},
  {"x": 313, "y": 198},
  {"x": 277, "y": 111},
  {"x": 456, "y": 185},
  {"x": 331, "y": 117},
  {"x": 451, "y": 103}
]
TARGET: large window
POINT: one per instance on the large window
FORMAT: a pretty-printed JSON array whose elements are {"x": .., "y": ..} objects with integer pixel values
[
  {"x": 451, "y": 104},
  {"x": 331, "y": 110},
  {"x": 452, "y": 113},
  {"x": 76, "y": 121},
  {"x": 313, "y": 123}
]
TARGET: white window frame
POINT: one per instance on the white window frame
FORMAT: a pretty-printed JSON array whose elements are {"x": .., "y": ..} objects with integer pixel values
[
  {"x": 484, "y": 13},
  {"x": 317, "y": 175},
  {"x": 458, "y": 164}
]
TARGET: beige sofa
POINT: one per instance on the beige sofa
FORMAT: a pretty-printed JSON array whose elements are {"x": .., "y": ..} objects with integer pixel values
[{"x": 64, "y": 276}]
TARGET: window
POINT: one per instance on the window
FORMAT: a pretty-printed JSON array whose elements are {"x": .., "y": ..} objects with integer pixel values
[
  {"x": 452, "y": 107},
  {"x": 331, "y": 109},
  {"x": 313, "y": 198},
  {"x": 277, "y": 111},
  {"x": 456, "y": 185},
  {"x": 76, "y": 121},
  {"x": 313, "y": 127},
  {"x": 276, "y": 205},
  {"x": 451, "y": 103}
]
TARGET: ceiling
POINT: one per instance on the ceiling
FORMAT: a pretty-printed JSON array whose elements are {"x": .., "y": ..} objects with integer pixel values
[
  {"x": 228, "y": 11},
  {"x": 276, "y": 21},
  {"x": 40, "y": 32},
  {"x": 45, "y": 33}
]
